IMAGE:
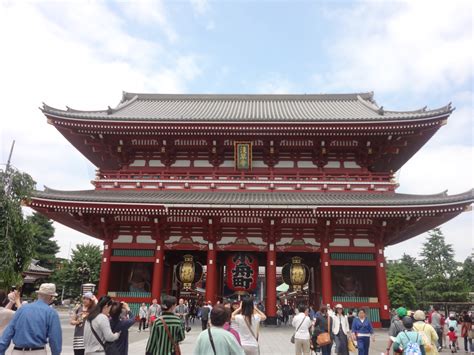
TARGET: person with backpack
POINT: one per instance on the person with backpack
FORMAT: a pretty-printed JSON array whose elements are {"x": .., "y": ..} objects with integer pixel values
[
  {"x": 427, "y": 332},
  {"x": 409, "y": 341},
  {"x": 436, "y": 321},
  {"x": 396, "y": 326},
  {"x": 453, "y": 323}
]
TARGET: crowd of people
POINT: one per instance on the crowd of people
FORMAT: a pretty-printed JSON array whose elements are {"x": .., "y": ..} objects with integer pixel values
[{"x": 101, "y": 326}]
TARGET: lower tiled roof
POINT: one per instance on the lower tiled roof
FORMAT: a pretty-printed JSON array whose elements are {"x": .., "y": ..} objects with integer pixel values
[{"x": 313, "y": 199}]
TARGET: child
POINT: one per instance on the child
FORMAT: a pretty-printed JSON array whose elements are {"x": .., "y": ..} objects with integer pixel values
[{"x": 452, "y": 339}]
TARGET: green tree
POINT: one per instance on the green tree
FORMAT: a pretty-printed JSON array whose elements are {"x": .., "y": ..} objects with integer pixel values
[
  {"x": 45, "y": 247},
  {"x": 84, "y": 267},
  {"x": 16, "y": 237},
  {"x": 467, "y": 272},
  {"x": 443, "y": 281},
  {"x": 401, "y": 290}
]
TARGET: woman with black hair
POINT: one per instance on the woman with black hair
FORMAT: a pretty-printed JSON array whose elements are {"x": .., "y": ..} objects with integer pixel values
[
  {"x": 248, "y": 318},
  {"x": 121, "y": 319},
  {"x": 98, "y": 322},
  {"x": 340, "y": 330}
]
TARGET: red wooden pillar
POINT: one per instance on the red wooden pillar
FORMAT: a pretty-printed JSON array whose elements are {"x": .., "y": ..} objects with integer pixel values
[
  {"x": 382, "y": 289},
  {"x": 211, "y": 274},
  {"x": 326, "y": 284},
  {"x": 105, "y": 269},
  {"x": 158, "y": 268},
  {"x": 270, "y": 305}
]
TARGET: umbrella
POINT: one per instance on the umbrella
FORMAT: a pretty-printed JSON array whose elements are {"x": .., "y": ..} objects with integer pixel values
[{"x": 283, "y": 287}]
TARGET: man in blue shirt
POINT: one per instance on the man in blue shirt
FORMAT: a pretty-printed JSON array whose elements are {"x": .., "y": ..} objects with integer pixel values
[{"x": 34, "y": 325}]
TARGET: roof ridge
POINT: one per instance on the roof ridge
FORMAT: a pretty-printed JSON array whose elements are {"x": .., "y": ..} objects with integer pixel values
[{"x": 156, "y": 96}]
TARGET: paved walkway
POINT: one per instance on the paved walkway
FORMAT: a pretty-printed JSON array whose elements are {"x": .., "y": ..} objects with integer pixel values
[{"x": 273, "y": 340}]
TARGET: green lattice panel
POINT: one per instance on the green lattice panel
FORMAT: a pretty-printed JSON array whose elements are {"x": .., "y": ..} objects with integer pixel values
[
  {"x": 352, "y": 256},
  {"x": 130, "y": 294},
  {"x": 372, "y": 313},
  {"x": 343, "y": 299},
  {"x": 134, "y": 308},
  {"x": 133, "y": 252}
]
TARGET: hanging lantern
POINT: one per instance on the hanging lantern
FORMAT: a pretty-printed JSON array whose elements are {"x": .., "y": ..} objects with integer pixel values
[
  {"x": 295, "y": 274},
  {"x": 188, "y": 272},
  {"x": 242, "y": 272}
]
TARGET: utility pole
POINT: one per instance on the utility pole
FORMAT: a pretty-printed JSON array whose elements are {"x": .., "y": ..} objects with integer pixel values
[{"x": 7, "y": 171}]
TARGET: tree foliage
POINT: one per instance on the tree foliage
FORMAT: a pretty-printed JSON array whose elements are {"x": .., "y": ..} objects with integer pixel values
[
  {"x": 16, "y": 235},
  {"x": 435, "y": 277},
  {"x": 45, "y": 247},
  {"x": 84, "y": 267},
  {"x": 467, "y": 272}
]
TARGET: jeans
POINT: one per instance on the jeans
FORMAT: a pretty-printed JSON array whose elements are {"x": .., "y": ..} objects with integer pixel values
[
  {"x": 363, "y": 344},
  {"x": 326, "y": 350},
  {"x": 467, "y": 341},
  {"x": 142, "y": 323},
  {"x": 439, "y": 332}
]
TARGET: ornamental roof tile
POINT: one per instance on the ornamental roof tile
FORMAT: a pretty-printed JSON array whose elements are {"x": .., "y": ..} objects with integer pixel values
[
  {"x": 247, "y": 108},
  {"x": 263, "y": 199}
]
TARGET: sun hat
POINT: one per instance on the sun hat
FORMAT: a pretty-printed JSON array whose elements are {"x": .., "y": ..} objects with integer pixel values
[
  {"x": 48, "y": 289},
  {"x": 419, "y": 315},
  {"x": 401, "y": 312}
]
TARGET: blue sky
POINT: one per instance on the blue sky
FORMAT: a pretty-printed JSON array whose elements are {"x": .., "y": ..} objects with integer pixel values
[{"x": 84, "y": 53}]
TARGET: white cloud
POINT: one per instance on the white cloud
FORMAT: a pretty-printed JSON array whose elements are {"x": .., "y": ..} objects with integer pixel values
[
  {"x": 414, "y": 46},
  {"x": 52, "y": 55},
  {"x": 274, "y": 84},
  {"x": 201, "y": 7}
]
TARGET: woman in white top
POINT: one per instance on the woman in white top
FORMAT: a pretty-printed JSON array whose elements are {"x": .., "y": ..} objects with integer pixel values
[
  {"x": 302, "y": 324},
  {"x": 340, "y": 330},
  {"x": 98, "y": 319},
  {"x": 248, "y": 318}
]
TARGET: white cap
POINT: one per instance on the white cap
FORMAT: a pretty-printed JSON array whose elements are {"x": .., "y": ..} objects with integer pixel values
[{"x": 48, "y": 289}]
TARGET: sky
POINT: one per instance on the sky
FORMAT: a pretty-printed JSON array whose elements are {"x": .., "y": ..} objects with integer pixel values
[{"x": 85, "y": 53}]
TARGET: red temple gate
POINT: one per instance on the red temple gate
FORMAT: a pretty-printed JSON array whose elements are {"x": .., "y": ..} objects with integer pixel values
[{"x": 275, "y": 176}]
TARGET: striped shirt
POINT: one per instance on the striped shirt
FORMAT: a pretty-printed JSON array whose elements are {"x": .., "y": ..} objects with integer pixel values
[{"x": 159, "y": 342}]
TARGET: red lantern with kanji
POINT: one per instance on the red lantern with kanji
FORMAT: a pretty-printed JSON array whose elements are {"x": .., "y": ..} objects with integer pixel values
[{"x": 242, "y": 272}]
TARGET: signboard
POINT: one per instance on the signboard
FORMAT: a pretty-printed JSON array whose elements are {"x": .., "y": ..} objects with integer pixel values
[{"x": 243, "y": 155}]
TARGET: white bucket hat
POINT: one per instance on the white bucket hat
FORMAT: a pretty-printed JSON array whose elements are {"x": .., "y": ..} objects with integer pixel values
[{"x": 48, "y": 289}]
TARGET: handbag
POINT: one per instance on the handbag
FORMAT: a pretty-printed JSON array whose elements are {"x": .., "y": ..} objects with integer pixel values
[
  {"x": 293, "y": 336},
  {"x": 212, "y": 341},
  {"x": 177, "y": 350},
  {"x": 110, "y": 348},
  {"x": 324, "y": 338},
  {"x": 350, "y": 345}
]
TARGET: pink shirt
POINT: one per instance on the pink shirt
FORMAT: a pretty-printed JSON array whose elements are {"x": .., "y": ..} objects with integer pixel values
[
  {"x": 5, "y": 316},
  {"x": 232, "y": 331}
]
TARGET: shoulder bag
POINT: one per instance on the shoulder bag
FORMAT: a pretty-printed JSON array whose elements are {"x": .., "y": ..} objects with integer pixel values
[
  {"x": 324, "y": 338},
  {"x": 212, "y": 341},
  {"x": 177, "y": 350},
  {"x": 110, "y": 348},
  {"x": 293, "y": 336}
]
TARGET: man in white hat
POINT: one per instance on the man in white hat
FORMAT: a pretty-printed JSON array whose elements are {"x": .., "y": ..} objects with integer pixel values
[{"x": 34, "y": 325}]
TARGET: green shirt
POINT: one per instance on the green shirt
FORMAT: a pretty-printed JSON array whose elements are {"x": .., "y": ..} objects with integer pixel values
[
  {"x": 224, "y": 342},
  {"x": 159, "y": 342}
]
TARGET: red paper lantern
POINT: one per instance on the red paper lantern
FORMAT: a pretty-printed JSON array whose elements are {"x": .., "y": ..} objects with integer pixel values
[{"x": 242, "y": 272}]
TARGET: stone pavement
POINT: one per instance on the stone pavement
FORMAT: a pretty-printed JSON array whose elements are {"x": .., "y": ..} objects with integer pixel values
[{"x": 273, "y": 340}]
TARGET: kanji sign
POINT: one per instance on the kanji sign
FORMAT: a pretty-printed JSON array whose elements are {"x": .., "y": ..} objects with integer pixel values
[
  {"x": 243, "y": 155},
  {"x": 242, "y": 272}
]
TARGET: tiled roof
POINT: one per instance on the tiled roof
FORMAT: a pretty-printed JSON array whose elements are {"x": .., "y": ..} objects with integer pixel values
[
  {"x": 209, "y": 198},
  {"x": 248, "y": 108}
]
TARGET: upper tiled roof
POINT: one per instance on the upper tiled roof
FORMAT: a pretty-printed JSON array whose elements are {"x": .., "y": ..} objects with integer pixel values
[
  {"x": 263, "y": 199},
  {"x": 249, "y": 108}
]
